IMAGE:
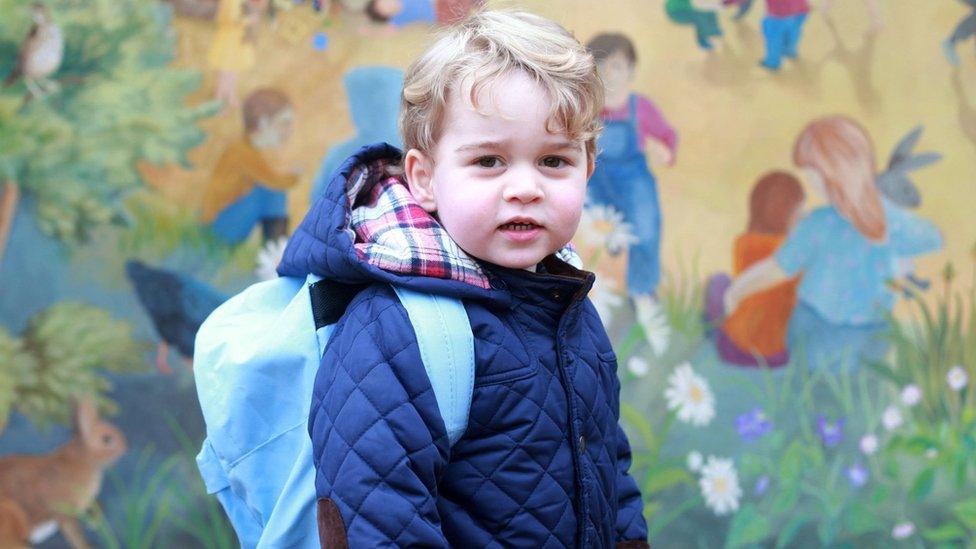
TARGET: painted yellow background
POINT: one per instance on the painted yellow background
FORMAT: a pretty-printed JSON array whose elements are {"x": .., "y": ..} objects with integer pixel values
[{"x": 735, "y": 120}]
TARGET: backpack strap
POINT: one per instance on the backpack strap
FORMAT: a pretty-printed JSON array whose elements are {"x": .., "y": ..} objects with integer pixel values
[
  {"x": 329, "y": 301},
  {"x": 447, "y": 349}
]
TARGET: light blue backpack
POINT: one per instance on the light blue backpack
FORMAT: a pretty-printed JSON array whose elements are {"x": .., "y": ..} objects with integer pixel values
[{"x": 255, "y": 362}]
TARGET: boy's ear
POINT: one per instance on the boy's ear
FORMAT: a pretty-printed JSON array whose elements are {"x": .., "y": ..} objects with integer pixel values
[
  {"x": 590, "y": 165},
  {"x": 419, "y": 171}
]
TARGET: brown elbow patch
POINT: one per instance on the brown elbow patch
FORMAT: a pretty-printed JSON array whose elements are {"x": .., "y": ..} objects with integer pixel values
[
  {"x": 332, "y": 531},
  {"x": 633, "y": 544}
]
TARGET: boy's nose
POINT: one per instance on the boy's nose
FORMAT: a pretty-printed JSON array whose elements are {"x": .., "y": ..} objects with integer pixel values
[{"x": 523, "y": 187}]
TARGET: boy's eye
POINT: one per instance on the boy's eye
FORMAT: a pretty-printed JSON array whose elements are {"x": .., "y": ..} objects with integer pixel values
[
  {"x": 553, "y": 162},
  {"x": 488, "y": 162}
]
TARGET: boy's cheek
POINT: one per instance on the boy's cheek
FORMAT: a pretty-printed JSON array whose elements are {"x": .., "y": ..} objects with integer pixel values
[{"x": 574, "y": 201}]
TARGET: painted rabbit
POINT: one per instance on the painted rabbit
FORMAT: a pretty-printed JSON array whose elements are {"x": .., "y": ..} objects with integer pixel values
[
  {"x": 53, "y": 489},
  {"x": 896, "y": 186},
  {"x": 14, "y": 529}
]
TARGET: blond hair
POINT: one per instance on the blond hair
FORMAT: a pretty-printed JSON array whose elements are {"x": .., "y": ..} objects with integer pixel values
[
  {"x": 490, "y": 44},
  {"x": 841, "y": 151}
]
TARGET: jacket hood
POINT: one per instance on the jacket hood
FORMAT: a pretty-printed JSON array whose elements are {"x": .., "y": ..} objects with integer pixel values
[{"x": 366, "y": 227}]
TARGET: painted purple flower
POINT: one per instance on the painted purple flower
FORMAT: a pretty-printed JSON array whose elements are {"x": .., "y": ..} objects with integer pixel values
[
  {"x": 857, "y": 475},
  {"x": 761, "y": 485},
  {"x": 831, "y": 434},
  {"x": 753, "y": 425}
]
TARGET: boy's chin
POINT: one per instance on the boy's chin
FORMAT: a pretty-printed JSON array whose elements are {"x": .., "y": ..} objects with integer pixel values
[
  {"x": 515, "y": 259},
  {"x": 528, "y": 262}
]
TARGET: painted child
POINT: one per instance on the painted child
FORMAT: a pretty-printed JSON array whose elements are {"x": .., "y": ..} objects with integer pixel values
[
  {"x": 622, "y": 178},
  {"x": 754, "y": 333},
  {"x": 499, "y": 117},
  {"x": 244, "y": 188},
  {"x": 699, "y": 14},
  {"x": 380, "y": 15},
  {"x": 383, "y": 11},
  {"x": 782, "y": 28},
  {"x": 452, "y": 11},
  {"x": 373, "y": 95},
  {"x": 846, "y": 250},
  {"x": 232, "y": 51}
]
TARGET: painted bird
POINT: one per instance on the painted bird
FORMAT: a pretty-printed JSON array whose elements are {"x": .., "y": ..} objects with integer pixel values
[
  {"x": 40, "y": 53},
  {"x": 177, "y": 305}
]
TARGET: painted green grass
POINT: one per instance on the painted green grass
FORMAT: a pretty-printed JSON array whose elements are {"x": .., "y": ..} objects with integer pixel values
[
  {"x": 919, "y": 473},
  {"x": 163, "y": 504}
]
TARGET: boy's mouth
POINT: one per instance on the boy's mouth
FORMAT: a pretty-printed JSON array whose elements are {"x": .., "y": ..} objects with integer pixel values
[
  {"x": 521, "y": 230},
  {"x": 520, "y": 224}
]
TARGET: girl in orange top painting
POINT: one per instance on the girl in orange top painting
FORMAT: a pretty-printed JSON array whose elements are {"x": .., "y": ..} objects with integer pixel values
[{"x": 755, "y": 332}]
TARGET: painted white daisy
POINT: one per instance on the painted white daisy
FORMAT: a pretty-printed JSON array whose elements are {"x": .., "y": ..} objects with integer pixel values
[
  {"x": 957, "y": 378},
  {"x": 911, "y": 395},
  {"x": 638, "y": 366},
  {"x": 603, "y": 226},
  {"x": 654, "y": 320},
  {"x": 690, "y": 395},
  {"x": 931, "y": 453},
  {"x": 269, "y": 257},
  {"x": 621, "y": 238},
  {"x": 891, "y": 418},
  {"x": 605, "y": 297},
  {"x": 695, "y": 461},
  {"x": 903, "y": 530},
  {"x": 720, "y": 485},
  {"x": 869, "y": 444}
]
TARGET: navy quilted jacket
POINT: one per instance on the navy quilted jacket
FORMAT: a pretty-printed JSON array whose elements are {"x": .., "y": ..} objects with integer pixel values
[{"x": 543, "y": 462}]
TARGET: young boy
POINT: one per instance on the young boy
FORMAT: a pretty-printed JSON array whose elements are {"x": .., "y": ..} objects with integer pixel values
[{"x": 499, "y": 118}]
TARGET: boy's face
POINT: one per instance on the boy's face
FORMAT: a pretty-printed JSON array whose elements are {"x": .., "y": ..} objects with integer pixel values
[{"x": 505, "y": 189}]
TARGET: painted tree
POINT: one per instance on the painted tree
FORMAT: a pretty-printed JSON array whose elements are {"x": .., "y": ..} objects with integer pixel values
[
  {"x": 75, "y": 140},
  {"x": 61, "y": 356}
]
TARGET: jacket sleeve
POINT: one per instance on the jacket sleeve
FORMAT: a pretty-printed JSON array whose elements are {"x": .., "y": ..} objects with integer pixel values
[
  {"x": 631, "y": 526},
  {"x": 379, "y": 444}
]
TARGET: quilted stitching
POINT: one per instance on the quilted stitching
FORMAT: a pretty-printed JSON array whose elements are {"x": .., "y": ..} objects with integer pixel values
[
  {"x": 379, "y": 428},
  {"x": 517, "y": 477}
]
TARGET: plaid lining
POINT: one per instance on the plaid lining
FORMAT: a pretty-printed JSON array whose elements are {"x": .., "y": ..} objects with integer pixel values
[{"x": 393, "y": 232}]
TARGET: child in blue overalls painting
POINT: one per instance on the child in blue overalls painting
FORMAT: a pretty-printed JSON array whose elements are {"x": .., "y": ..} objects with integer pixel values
[{"x": 622, "y": 178}]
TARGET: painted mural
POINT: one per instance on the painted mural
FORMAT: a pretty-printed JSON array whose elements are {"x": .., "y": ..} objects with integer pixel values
[{"x": 780, "y": 219}]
